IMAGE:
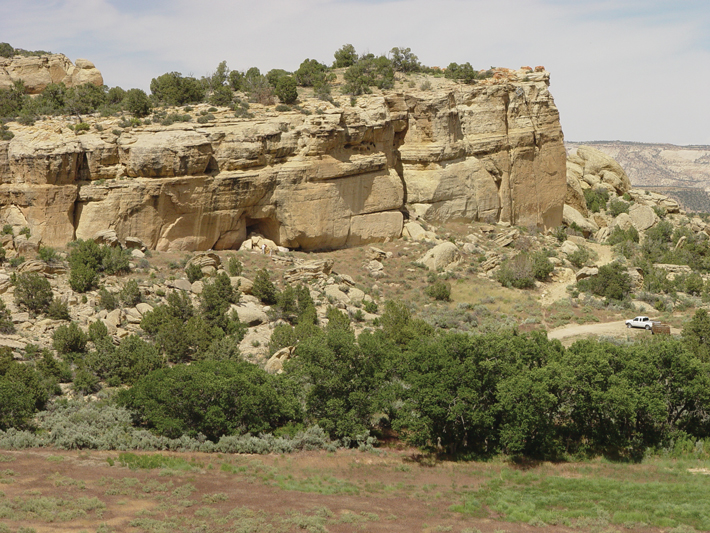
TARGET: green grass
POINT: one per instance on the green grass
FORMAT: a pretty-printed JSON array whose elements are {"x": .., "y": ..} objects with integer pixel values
[
  {"x": 133, "y": 461},
  {"x": 674, "y": 498}
]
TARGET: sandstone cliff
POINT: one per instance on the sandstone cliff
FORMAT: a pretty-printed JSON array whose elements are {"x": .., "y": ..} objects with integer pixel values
[
  {"x": 340, "y": 176},
  {"x": 39, "y": 71}
]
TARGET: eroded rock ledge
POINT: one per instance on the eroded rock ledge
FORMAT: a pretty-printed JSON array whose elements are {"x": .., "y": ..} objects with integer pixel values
[{"x": 340, "y": 176}]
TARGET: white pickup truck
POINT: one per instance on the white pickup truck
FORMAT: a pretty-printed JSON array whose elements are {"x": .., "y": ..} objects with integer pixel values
[{"x": 641, "y": 322}]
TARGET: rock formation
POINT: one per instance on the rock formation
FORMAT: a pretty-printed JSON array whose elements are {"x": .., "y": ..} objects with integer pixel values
[
  {"x": 39, "y": 71},
  {"x": 341, "y": 175}
]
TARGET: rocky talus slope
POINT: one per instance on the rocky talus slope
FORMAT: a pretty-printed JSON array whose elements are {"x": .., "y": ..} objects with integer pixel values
[
  {"x": 39, "y": 71},
  {"x": 333, "y": 176}
]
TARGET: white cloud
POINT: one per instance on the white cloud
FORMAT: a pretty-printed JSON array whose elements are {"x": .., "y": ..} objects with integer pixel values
[{"x": 628, "y": 70}]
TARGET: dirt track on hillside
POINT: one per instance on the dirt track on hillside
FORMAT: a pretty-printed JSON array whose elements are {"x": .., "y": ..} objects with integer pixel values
[{"x": 572, "y": 332}]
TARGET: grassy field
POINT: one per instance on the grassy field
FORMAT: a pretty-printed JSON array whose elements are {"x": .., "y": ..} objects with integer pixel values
[{"x": 385, "y": 490}]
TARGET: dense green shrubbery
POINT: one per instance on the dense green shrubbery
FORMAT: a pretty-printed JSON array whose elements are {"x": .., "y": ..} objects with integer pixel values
[
  {"x": 616, "y": 207},
  {"x": 466, "y": 73},
  {"x": 264, "y": 289},
  {"x": 174, "y": 89},
  {"x": 33, "y": 292},
  {"x": 286, "y": 90},
  {"x": 345, "y": 56},
  {"x": 369, "y": 71},
  {"x": 439, "y": 290},
  {"x": 213, "y": 398},
  {"x": 596, "y": 199},
  {"x": 88, "y": 259},
  {"x": 612, "y": 282}
]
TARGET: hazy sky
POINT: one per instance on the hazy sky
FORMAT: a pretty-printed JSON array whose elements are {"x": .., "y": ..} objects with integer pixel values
[{"x": 633, "y": 70}]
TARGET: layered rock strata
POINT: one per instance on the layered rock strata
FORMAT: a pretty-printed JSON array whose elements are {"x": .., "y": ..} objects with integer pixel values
[{"x": 340, "y": 176}]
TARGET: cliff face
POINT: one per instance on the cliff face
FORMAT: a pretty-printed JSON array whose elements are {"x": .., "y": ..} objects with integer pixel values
[
  {"x": 340, "y": 176},
  {"x": 39, "y": 71}
]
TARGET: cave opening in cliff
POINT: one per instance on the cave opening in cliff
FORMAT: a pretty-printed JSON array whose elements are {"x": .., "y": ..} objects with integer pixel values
[{"x": 266, "y": 227}]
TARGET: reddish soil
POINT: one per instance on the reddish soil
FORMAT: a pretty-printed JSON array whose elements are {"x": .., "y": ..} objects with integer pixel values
[{"x": 390, "y": 491}]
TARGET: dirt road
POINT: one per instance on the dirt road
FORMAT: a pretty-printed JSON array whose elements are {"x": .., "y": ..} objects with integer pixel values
[{"x": 570, "y": 333}]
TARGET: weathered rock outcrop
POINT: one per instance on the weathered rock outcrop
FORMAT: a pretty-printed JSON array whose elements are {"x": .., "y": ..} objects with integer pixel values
[
  {"x": 340, "y": 176},
  {"x": 39, "y": 71}
]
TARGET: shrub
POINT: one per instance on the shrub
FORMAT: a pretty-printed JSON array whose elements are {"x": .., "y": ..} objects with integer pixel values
[
  {"x": 345, "y": 56},
  {"x": 541, "y": 266},
  {"x": 85, "y": 382},
  {"x": 221, "y": 96},
  {"x": 517, "y": 272},
  {"x": 193, "y": 272},
  {"x": 286, "y": 90},
  {"x": 258, "y": 87},
  {"x": 82, "y": 278},
  {"x": 465, "y": 73},
  {"x": 439, "y": 290},
  {"x": 694, "y": 284},
  {"x": 282, "y": 336},
  {"x": 264, "y": 289},
  {"x": 616, "y": 207},
  {"x": 596, "y": 198},
  {"x": 48, "y": 254},
  {"x": 7, "y": 230},
  {"x": 612, "y": 282},
  {"x": 214, "y": 398},
  {"x": 82, "y": 126},
  {"x": 425, "y": 86},
  {"x": 133, "y": 359},
  {"x": 580, "y": 257},
  {"x": 58, "y": 310},
  {"x": 216, "y": 298},
  {"x": 6, "y": 324},
  {"x": 234, "y": 266},
  {"x": 620, "y": 236},
  {"x": 370, "y": 306},
  {"x": 25, "y": 231},
  {"x": 69, "y": 339},
  {"x": 107, "y": 299},
  {"x": 403, "y": 60},
  {"x": 173, "y": 89},
  {"x": 33, "y": 292},
  {"x": 130, "y": 294},
  {"x": 137, "y": 103},
  {"x": 366, "y": 73}
]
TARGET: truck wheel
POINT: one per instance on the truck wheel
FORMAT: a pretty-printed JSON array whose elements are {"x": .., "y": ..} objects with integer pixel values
[
  {"x": 648, "y": 328},
  {"x": 628, "y": 325}
]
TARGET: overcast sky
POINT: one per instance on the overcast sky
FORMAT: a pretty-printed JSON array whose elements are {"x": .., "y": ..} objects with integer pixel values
[{"x": 632, "y": 70}]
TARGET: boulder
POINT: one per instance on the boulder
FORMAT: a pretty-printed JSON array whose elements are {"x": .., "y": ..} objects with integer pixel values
[
  {"x": 414, "y": 231},
  {"x": 107, "y": 237},
  {"x": 275, "y": 363},
  {"x": 568, "y": 247},
  {"x": 243, "y": 284},
  {"x": 642, "y": 217},
  {"x": 586, "y": 272},
  {"x": 144, "y": 308},
  {"x": 250, "y": 315},
  {"x": 443, "y": 256},
  {"x": 134, "y": 243},
  {"x": 622, "y": 221},
  {"x": 571, "y": 216},
  {"x": 332, "y": 292},
  {"x": 205, "y": 259},
  {"x": 600, "y": 164}
]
